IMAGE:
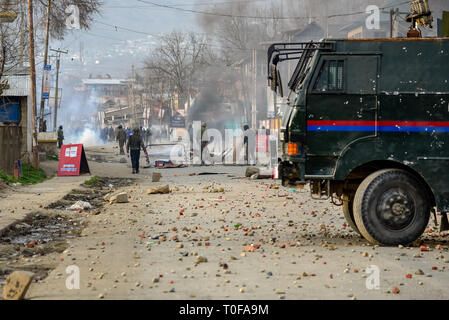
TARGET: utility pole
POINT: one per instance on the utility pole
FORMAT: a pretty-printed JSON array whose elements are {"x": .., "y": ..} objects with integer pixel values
[
  {"x": 47, "y": 32},
  {"x": 391, "y": 22},
  {"x": 133, "y": 100},
  {"x": 58, "y": 64},
  {"x": 254, "y": 108},
  {"x": 393, "y": 18},
  {"x": 33, "y": 84}
]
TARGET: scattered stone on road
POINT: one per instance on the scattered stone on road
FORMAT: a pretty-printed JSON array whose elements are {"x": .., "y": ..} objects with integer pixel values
[
  {"x": 16, "y": 285},
  {"x": 159, "y": 190}
]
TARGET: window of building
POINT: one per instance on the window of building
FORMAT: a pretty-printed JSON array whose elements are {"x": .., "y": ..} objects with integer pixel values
[{"x": 330, "y": 78}]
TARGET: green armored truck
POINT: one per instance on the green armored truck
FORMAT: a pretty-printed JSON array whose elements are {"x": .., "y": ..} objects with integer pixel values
[{"x": 368, "y": 127}]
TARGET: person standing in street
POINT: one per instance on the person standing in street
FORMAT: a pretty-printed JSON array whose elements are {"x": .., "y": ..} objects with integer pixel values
[
  {"x": 60, "y": 137},
  {"x": 121, "y": 138},
  {"x": 111, "y": 134},
  {"x": 204, "y": 141},
  {"x": 134, "y": 145}
]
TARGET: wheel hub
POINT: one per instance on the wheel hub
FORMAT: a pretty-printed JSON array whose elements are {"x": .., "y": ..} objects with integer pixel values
[{"x": 395, "y": 209}]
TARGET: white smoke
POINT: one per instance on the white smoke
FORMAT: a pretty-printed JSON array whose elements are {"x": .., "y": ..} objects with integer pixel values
[{"x": 88, "y": 137}]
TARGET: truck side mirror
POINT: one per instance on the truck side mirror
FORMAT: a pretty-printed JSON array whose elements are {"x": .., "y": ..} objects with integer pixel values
[{"x": 276, "y": 81}]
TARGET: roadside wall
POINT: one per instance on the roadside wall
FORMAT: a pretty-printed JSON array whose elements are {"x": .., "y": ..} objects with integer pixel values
[{"x": 10, "y": 147}]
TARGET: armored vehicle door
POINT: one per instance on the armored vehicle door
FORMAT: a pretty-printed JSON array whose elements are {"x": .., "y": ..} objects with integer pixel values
[{"x": 341, "y": 108}]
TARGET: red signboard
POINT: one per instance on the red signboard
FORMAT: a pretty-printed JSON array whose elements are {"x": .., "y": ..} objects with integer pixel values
[{"x": 72, "y": 161}]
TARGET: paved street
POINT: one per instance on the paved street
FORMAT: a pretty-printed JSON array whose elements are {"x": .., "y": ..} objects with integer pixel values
[{"x": 254, "y": 240}]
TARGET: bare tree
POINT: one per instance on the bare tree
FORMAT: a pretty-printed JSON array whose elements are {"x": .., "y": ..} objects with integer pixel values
[
  {"x": 11, "y": 38},
  {"x": 13, "y": 42},
  {"x": 58, "y": 28},
  {"x": 179, "y": 60}
]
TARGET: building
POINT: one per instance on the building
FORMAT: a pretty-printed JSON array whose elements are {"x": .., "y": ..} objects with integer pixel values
[{"x": 15, "y": 119}]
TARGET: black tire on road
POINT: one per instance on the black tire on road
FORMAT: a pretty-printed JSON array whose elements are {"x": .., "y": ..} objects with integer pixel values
[
  {"x": 348, "y": 212},
  {"x": 391, "y": 207}
]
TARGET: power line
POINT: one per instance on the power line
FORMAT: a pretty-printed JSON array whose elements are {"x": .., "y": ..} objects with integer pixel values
[
  {"x": 227, "y": 15},
  {"x": 164, "y": 37},
  {"x": 208, "y": 3}
]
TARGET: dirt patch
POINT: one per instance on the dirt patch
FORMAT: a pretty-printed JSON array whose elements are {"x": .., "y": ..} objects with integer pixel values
[
  {"x": 106, "y": 183},
  {"x": 38, "y": 235},
  {"x": 3, "y": 188},
  {"x": 92, "y": 193},
  {"x": 34, "y": 243}
]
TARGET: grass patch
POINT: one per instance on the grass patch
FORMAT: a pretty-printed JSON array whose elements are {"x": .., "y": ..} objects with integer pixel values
[
  {"x": 52, "y": 158},
  {"x": 30, "y": 176},
  {"x": 94, "y": 181},
  {"x": 6, "y": 178}
]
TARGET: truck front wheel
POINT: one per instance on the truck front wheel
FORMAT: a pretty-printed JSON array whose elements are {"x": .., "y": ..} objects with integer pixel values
[{"x": 391, "y": 207}]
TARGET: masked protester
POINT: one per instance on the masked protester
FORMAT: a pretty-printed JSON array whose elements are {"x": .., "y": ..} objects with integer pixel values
[{"x": 134, "y": 145}]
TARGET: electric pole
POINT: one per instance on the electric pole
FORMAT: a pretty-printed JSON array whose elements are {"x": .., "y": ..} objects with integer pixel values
[
  {"x": 254, "y": 104},
  {"x": 391, "y": 23},
  {"x": 58, "y": 64},
  {"x": 33, "y": 84},
  {"x": 47, "y": 32},
  {"x": 133, "y": 99}
]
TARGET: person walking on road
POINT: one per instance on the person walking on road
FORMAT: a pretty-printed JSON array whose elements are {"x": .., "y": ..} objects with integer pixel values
[
  {"x": 60, "y": 137},
  {"x": 128, "y": 133},
  {"x": 121, "y": 138},
  {"x": 134, "y": 145}
]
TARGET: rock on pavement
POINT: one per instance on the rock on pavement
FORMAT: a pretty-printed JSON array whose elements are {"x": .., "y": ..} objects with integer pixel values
[
  {"x": 16, "y": 285},
  {"x": 117, "y": 198},
  {"x": 159, "y": 190}
]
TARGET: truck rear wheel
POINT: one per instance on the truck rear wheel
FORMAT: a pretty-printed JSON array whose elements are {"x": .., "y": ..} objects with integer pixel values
[
  {"x": 348, "y": 203},
  {"x": 391, "y": 207}
]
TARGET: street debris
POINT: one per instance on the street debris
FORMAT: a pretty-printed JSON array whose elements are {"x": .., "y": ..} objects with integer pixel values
[
  {"x": 156, "y": 177},
  {"x": 159, "y": 190},
  {"x": 80, "y": 205},
  {"x": 121, "y": 197},
  {"x": 251, "y": 171},
  {"x": 16, "y": 285}
]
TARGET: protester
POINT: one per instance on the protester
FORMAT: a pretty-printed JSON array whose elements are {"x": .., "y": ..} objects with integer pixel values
[
  {"x": 60, "y": 137},
  {"x": 134, "y": 145},
  {"x": 204, "y": 140},
  {"x": 128, "y": 133},
  {"x": 121, "y": 138}
]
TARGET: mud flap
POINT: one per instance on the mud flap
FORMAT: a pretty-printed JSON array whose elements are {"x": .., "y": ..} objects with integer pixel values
[{"x": 444, "y": 222}]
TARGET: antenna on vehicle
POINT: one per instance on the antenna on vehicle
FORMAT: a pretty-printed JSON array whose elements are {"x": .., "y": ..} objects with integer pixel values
[{"x": 421, "y": 15}]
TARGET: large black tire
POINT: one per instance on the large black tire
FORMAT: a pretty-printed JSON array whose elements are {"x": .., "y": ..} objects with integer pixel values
[
  {"x": 348, "y": 212},
  {"x": 391, "y": 207}
]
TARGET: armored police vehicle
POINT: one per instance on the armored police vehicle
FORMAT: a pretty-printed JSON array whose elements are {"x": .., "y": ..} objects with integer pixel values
[{"x": 368, "y": 127}]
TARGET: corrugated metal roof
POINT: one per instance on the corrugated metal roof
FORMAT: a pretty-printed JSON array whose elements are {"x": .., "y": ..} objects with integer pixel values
[
  {"x": 18, "y": 80},
  {"x": 19, "y": 85}
]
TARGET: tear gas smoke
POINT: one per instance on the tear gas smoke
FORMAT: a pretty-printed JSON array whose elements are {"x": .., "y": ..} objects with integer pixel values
[{"x": 89, "y": 137}]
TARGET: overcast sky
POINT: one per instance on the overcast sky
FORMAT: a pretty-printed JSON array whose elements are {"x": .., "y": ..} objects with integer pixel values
[{"x": 103, "y": 38}]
